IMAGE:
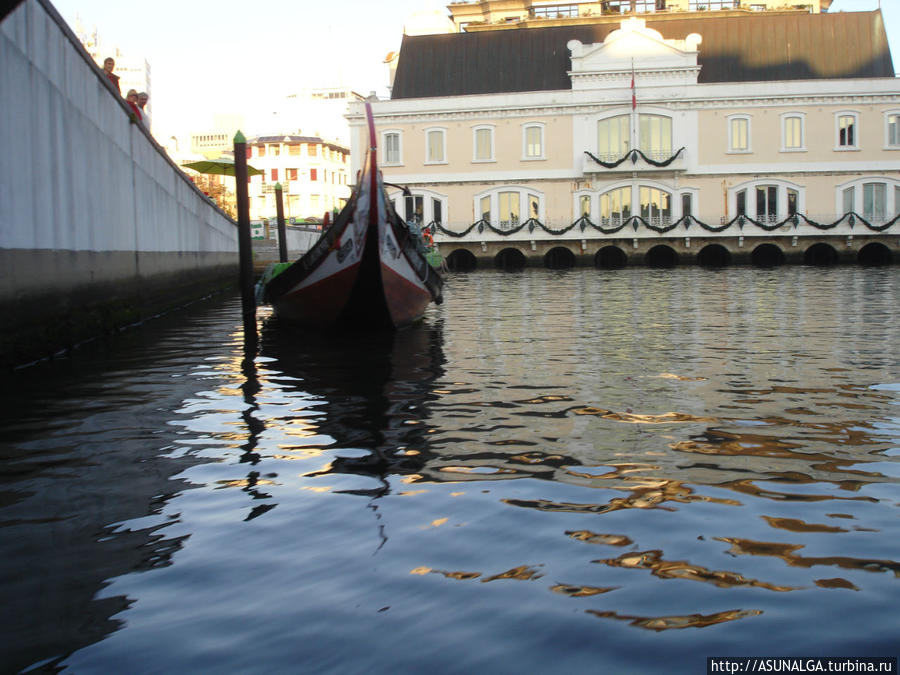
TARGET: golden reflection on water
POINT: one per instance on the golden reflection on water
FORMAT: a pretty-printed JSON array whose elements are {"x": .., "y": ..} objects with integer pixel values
[
  {"x": 680, "y": 569},
  {"x": 596, "y": 538},
  {"x": 787, "y": 553},
  {"x": 660, "y": 623}
]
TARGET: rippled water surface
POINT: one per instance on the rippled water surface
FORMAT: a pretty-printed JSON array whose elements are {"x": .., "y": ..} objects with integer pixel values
[{"x": 576, "y": 471}]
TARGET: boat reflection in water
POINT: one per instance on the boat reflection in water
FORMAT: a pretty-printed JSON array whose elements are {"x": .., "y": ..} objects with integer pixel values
[{"x": 369, "y": 391}]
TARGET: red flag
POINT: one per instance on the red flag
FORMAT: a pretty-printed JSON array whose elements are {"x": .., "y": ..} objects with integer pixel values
[{"x": 633, "y": 96}]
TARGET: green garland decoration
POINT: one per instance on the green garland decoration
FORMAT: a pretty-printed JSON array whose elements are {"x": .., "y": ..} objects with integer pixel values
[
  {"x": 633, "y": 156},
  {"x": 584, "y": 222}
]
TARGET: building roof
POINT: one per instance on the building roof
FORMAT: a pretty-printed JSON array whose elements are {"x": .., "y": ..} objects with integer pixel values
[
  {"x": 750, "y": 48},
  {"x": 293, "y": 139}
]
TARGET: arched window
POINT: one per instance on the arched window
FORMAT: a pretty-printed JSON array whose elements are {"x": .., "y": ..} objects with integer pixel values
[
  {"x": 509, "y": 206},
  {"x": 613, "y": 137},
  {"x": 875, "y": 198},
  {"x": 656, "y": 205},
  {"x": 422, "y": 206},
  {"x": 656, "y": 136},
  {"x": 615, "y": 206},
  {"x": 768, "y": 201}
]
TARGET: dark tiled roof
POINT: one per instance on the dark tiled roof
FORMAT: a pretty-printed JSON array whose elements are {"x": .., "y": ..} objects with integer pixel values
[{"x": 751, "y": 48}]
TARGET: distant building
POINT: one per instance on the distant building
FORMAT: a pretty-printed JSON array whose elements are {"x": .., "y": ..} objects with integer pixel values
[
  {"x": 316, "y": 112},
  {"x": 212, "y": 143},
  {"x": 657, "y": 115},
  {"x": 314, "y": 175}
]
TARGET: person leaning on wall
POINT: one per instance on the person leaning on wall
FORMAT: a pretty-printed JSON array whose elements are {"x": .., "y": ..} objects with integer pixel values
[
  {"x": 108, "y": 64},
  {"x": 132, "y": 99}
]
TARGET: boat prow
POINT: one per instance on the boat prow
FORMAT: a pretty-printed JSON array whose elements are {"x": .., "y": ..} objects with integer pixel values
[{"x": 368, "y": 270}]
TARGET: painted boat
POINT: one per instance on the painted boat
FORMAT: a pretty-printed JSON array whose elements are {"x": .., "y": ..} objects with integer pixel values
[{"x": 368, "y": 270}]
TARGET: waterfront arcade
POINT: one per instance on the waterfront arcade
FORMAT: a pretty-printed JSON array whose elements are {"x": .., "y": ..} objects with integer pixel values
[{"x": 691, "y": 137}]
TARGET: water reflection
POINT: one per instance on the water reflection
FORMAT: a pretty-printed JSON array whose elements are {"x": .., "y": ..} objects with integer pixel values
[{"x": 371, "y": 392}]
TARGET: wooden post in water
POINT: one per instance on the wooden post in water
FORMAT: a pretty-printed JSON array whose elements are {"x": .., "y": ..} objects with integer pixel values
[
  {"x": 245, "y": 243},
  {"x": 282, "y": 233}
]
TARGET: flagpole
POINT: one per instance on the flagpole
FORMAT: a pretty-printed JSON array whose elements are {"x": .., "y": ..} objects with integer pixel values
[{"x": 633, "y": 107}]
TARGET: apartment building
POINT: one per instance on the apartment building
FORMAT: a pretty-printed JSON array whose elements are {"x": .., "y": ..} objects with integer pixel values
[{"x": 314, "y": 175}]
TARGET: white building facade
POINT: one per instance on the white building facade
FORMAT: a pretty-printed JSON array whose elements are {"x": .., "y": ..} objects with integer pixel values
[
  {"x": 639, "y": 139},
  {"x": 314, "y": 176}
]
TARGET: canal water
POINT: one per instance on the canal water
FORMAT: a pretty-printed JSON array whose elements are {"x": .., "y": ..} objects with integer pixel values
[{"x": 557, "y": 472}]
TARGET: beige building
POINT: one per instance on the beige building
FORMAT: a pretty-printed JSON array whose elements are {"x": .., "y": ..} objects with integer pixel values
[
  {"x": 660, "y": 121},
  {"x": 494, "y": 14},
  {"x": 313, "y": 173}
]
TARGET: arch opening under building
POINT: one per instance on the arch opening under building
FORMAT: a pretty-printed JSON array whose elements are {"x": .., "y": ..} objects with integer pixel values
[
  {"x": 714, "y": 255},
  {"x": 874, "y": 253},
  {"x": 610, "y": 258},
  {"x": 510, "y": 259},
  {"x": 661, "y": 255},
  {"x": 767, "y": 255},
  {"x": 559, "y": 258},
  {"x": 820, "y": 255},
  {"x": 461, "y": 260}
]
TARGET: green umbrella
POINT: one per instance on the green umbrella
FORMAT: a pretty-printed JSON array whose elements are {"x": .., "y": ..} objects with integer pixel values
[{"x": 223, "y": 166}]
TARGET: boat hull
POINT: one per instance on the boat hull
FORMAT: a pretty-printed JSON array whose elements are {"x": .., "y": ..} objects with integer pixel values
[{"x": 369, "y": 269}]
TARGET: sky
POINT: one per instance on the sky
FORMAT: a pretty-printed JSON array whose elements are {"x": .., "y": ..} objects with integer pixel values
[
  {"x": 228, "y": 57},
  {"x": 223, "y": 56}
]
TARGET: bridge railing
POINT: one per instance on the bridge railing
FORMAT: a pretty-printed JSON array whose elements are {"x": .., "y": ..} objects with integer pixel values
[{"x": 800, "y": 225}]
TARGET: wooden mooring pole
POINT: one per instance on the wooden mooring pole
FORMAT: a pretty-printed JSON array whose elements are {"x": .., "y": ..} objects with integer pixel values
[
  {"x": 282, "y": 233},
  {"x": 245, "y": 243}
]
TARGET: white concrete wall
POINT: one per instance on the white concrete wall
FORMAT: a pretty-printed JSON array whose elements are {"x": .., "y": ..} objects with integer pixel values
[
  {"x": 75, "y": 172},
  {"x": 98, "y": 227}
]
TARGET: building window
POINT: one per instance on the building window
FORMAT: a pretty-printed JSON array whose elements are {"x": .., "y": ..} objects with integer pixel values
[
  {"x": 291, "y": 174},
  {"x": 613, "y": 138},
  {"x": 275, "y": 175},
  {"x": 739, "y": 134},
  {"x": 793, "y": 198},
  {"x": 874, "y": 201},
  {"x": 390, "y": 144},
  {"x": 687, "y": 204},
  {"x": 312, "y": 150},
  {"x": 421, "y": 207},
  {"x": 313, "y": 174},
  {"x": 655, "y": 206},
  {"x": 615, "y": 206},
  {"x": 893, "y": 130},
  {"x": 533, "y": 141},
  {"x": 846, "y": 131},
  {"x": 294, "y": 149},
  {"x": 413, "y": 208},
  {"x": 556, "y": 11},
  {"x": 508, "y": 205},
  {"x": 261, "y": 151},
  {"x": 847, "y": 199},
  {"x": 700, "y": 5},
  {"x": 585, "y": 205},
  {"x": 740, "y": 202},
  {"x": 656, "y": 136},
  {"x": 276, "y": 150},
  {"x": 483, "y": 141},
  {"x": 435, "y": 146},
  {"x": 792, "y": 133},
  {"x": 437, "y": 211},
  {"x": 767, "y": 203}
]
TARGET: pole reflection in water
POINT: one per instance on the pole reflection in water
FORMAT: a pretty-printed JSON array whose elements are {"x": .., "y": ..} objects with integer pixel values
[{"x": 556, "y": 472}]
